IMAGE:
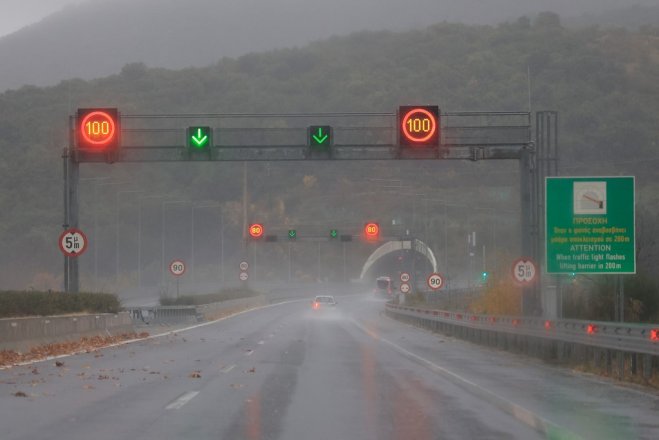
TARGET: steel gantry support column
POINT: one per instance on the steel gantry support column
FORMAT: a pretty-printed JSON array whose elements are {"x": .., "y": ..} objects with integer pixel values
[
  {"x": 529, "y": 303},
  {"x": 71, "y": 210},
  {"x": 547, "y": 161}
]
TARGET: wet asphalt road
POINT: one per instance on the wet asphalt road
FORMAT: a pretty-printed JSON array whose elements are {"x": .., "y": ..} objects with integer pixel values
[{"x": 287, "y": 372}]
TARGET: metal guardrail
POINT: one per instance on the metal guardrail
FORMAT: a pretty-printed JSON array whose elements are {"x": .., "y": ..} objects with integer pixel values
[
  {"x": 163, "y": 314},
  {"x": 634, "y": 338}
]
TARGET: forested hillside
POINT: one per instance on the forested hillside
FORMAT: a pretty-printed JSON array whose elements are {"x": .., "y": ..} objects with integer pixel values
[{"x": 603, "y": 83}]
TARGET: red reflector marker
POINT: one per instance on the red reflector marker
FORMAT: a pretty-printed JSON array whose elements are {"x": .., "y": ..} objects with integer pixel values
[
  {"x": 654, "y": 334},
  {"x": 591, "y": 329},
  {"x": 548, "y": 325},
  {"x": 515, "y": 322}
]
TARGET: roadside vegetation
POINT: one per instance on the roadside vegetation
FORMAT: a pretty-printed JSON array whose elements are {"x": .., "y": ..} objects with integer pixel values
[
  {"x": 14, "y": 304},
  {"x": 195, "y": 300}
]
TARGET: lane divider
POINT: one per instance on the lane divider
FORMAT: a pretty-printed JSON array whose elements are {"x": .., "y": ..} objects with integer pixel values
[
  {"x": 182, "y": 400},
  {"x": 538, "y": 423}
]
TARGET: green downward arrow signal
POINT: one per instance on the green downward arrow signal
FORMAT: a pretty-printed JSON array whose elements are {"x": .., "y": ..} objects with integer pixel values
[
  {"x": 320, "y": 138},
  {"x": 200, "y": 139}
]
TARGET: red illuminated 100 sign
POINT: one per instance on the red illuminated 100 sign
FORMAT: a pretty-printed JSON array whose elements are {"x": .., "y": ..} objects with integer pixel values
[
  {"x": 97, "y": 129},
  {"x": 419, "y": 125}
]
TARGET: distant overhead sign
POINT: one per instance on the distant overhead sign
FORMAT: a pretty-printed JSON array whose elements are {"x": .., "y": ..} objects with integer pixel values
[
  {"x": 404, "y": 288},
  {"x": 404, "y": 277},
  {"x": 244, "y": 265}
]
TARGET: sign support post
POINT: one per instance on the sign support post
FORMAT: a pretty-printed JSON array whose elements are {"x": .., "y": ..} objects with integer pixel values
[{"x": 71, "y": 210}]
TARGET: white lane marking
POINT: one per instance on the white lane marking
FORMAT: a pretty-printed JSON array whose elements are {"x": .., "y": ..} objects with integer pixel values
[
  {"x": 518, "y": 412},
  {"x": 182, "y": 400},
  {"x": 227, "y": 368},
  {"x": 131, "y": 341},
  {"x": 261, "y": 342}
]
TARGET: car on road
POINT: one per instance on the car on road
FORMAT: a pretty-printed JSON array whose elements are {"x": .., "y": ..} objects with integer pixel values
[{"x": 323, "y": 302}]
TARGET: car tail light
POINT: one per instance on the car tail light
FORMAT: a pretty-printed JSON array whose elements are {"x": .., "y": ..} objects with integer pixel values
[{"x": 315, "y": 305}]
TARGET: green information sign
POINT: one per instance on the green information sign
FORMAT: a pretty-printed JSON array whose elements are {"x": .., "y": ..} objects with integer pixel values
[{"x": 590, "y": 225}]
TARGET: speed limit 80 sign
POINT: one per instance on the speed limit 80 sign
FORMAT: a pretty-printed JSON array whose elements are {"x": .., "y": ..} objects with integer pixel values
[{"x": 177, "y": 268}]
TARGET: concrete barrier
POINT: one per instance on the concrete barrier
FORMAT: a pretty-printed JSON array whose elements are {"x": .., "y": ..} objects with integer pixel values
[
  {"x": 21, "y": 334},
  {"x": 209, "y": 312}
]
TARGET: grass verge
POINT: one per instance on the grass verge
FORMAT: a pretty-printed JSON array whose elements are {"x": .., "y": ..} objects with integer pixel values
[{"x": 14, "y": 304}]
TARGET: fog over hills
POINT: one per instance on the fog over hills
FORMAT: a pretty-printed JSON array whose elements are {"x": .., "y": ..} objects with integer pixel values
[{"x": 98, "y": 37}]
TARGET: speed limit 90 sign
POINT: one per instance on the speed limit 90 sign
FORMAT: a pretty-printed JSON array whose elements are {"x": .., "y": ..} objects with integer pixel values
[{"x": 435, "y": 281}]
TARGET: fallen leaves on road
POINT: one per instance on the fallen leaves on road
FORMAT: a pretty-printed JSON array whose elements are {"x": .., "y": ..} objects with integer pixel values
[
  {"x": 19, "y": 394},
  {"x": 237, "y": 385},
  {"x": 12, "y": 357},
  {"x": 251, "y": 370},
  {"x": 195, "y": 375}
]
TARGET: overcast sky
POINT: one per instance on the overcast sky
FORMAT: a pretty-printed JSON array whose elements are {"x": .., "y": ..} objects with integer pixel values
[{"x": 15, "y": 14}]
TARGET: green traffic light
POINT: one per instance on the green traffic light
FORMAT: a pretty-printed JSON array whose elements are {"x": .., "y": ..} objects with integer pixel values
[
  {"x": 334, "y": 233},
  {"x": 320, "y": 136},
  {"x": 292, "y": 234},
  {"x": 199, "y": 137}
]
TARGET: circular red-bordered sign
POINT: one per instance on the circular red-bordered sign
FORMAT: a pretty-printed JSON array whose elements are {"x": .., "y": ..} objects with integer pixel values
[
  {"x": 73, "y": 242},
  {"x": 435, "y": 281},
  {"x": 425, "y": 131},
  {"x": 256, "y": 230},
  {"x": 177, "y": 268},
  {"x": 372, "y": 231},
  {"x": 97, "y": 128},
  {"x": 524, "y": 271}
]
